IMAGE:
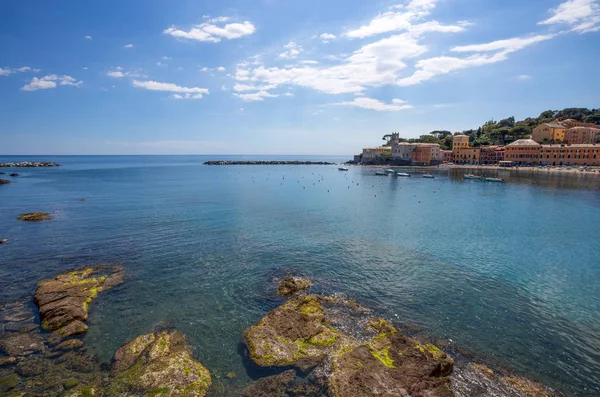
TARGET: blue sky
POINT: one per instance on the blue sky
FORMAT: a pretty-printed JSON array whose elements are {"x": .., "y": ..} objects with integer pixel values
[{"x": 282, "y": 76}]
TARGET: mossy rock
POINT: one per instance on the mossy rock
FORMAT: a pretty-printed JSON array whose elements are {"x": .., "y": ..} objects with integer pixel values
[
  {"x": 292, "y": 285},
  {"x": 8, "y": 382},
  {"x": 34, "y": 217},
  {"x": 159, "y": 364},
  {"x": 84, "y": 391}
]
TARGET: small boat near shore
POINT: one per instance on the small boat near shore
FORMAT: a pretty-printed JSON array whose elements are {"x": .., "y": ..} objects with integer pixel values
[
  {"x": 402, "y": 174},
  {"x": 381, "y": 173},
  {"x": 473, "y": 177},
  {"x": 428, "y": 176},
  {"x": 389, "y": 171},
  {"x": 497, "y": 180},
  {"x": 343, "y": 169}
]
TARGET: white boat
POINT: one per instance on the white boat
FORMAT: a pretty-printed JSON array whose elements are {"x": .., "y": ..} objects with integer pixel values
[
  {"x": 498, "y": 180},
  {"x": 343, "y": 169},
  {"x": 389, "y": 171},
  {"x": 429, "y": 176},
  {"x": 402, "y": 174},
  {"x": 471, "y": 176},
  {"x": 380, "y": 173}
]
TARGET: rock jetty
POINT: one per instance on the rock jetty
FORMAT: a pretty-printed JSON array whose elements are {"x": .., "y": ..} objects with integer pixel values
[
  {"x": 221, "y": 162},
  {"x": 29, "y": 164}
]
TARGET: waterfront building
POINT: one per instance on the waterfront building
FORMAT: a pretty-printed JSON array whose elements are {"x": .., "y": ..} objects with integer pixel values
[
  {"x": 523, "y": 151},
  {"x": 427, "y": 154},
  {"x": 402, "y": 151},
  {"x": 462, "y": 152},
  {"x": 578, "y": 154},
  {"x": 372, "y": 153},
  {"x": 448, "y": 156},
  {"x": 582, "y": 135},
  {"x": 491, "y": 155},
  {"x": 549, "y": 132}
]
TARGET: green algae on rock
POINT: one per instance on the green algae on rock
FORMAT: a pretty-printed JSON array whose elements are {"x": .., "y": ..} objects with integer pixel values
[
  {"x": 8, "y": 382},
  {"x": 34, "y": 217},
  {"x": 291, "y": 285},
  {"x": 158, "y": 364},
  {"x": 63, "y": 303}
]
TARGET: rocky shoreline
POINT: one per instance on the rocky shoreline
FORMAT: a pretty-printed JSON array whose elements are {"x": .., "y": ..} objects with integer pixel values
[
  {"x": 29, "y": 164},
  {"x": 222, "y": 162},
  {"x": 311, "y": 346}
]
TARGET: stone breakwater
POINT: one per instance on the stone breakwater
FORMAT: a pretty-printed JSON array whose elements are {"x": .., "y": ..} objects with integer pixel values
[
  {"x": 268, "y": 163},
  {"x": 311, "y": 346},
  {"x": 29, "y": 164}
]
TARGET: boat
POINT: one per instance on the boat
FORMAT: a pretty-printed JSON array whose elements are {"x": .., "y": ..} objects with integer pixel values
[
  {"x": 389, "y": 171},
  {"x": 343, "y": 169},
  {"x": 429, "y": 176},
  {"x": 499, "y": 180},
  {"x": 471, "y": 176},
  {"x": 380, "y": 173},
  {"x": 402, "y": 174}
]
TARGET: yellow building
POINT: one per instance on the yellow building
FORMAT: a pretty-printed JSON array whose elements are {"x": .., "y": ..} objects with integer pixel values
[
  {"x": 523, "y": 151},
  {"x": 549, "y": 132},
  {"x": 462, "y": 152}
]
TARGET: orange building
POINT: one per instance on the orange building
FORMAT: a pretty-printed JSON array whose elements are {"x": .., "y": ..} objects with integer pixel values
[
  {"x": 462, "y": 152},
  {"x": 491, "y": 154},
  {"x": 578, "y": 154},
  {"x": 427, "y": 154},
  {"x": 523, "y": 151}
]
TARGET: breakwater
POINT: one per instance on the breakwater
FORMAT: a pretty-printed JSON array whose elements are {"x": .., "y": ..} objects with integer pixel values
[
  {"x": 29, "y": 164},
  {"x": 220, "y": 162}
]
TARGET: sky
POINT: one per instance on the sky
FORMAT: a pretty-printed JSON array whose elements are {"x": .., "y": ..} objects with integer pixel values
[{"x": 282, "y": 76}]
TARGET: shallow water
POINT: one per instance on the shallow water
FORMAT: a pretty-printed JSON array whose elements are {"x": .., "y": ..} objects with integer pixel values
[{"x": 510, "y": 272}]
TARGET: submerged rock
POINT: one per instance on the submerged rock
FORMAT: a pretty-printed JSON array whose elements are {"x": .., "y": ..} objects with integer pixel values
[
  {"x": 18, "y": 344},
  {"x": 63, "y": 303},
  {"x": 34, "y": 217},
  {"x": 4, "y": 181},
  {"x": 3, "y": 240},
  {"x": 290, "y": 285},
  {"x": 527, "y": 387},
  {"x": 158, "y": 364},
  {"x": 14, "y": 174},
  {"x": 271, "y": 386}
]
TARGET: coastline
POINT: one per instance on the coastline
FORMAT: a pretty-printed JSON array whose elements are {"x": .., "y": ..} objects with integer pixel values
[{"x": 547, "y": 170}]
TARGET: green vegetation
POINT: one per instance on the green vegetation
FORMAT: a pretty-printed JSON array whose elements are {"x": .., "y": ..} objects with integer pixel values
[{"x": 507, "y": 130}]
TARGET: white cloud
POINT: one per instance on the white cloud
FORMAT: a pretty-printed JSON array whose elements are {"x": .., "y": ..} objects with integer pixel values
[
  {"x": 404, "y": 19},
  {"x": 50, "y": 81},
  {"x": 220, "y": 69},
  {"x": 187, "y": 96},
  {"x": 85, "y": 68},
  {"x": 582, "y": 15},
  {"x": 7, "y": 71},
  {"x": 166, "y": 58},
  {"x": 288, "y": 94},
  {"x": 257, "y": 96},
  {"x": 374, "y": 104},
  {"x": 317, "y": 112},
  {"x": 514, "y": 44},
  {"x": 170, "y": 87},
  {"x": 248, "y": 87},
  {"x": 523, "y": 77},
  {"x": 119, "y": 73},
  {"x": 223, "y": 88},
  {"x": 309, "y": 62},
  {"x": 209, "y": 32},
  {"x": 292, "y": 50},
  {"x": 88, "y": 37},
  {"x": 128, "y": 45},
  {"x": 327, "y": 37}
]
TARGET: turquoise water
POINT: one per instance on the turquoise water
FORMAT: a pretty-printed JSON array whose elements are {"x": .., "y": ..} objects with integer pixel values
[{"x": 510, "y": 272}]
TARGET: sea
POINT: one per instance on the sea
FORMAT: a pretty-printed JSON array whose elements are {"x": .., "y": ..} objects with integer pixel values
[{"x": 508, "y": 274}]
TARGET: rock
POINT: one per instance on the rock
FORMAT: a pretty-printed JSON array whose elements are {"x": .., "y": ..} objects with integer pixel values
[
  {"x": 527, "y": 387},
  {"x": 390, "y": 364},
  {"x": 290, "y": 285},
  {"x": 23, "y": 164},
  {"x": 295, "y": 334},
  {"x": 14, "y": 174},
  {"x": 84, "y": 391},
  {"x": 484, "y": 370},
  {"x": 21, "y": 344},
  {"x": 70, "y": 344},
  {"x": 271, "y": 386},
  {"x": 32, "y": 367},
  {"x": 75, "y": 328},
  {"x": 5, "y": 361},
  {"x": 8, "y": 382},
  {"x": 34, "y": 217},
  {"x": 4, "y": 181},
  {"x": 65, "y": 300},
  {"x": 158, "y": 364},
  {"x": 231, "y": 375},
  {"x": 79, "y": 362},
  {"x": 70, "y": 383}
]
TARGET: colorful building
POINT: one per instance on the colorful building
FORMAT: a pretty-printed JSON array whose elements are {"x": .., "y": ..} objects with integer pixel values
[
  {"x": 523, "y": 151},
  {"x": 448, "y": 156},
  {"x": 549, "y": 132},
  {"x": 462, "y": 152},
  {"x": 582, "y": 135},
  {"x": 427, "y": 154},
  {"x": 372, "y": 153},
  {"x": 578, "y": 154},
  {"x": 491, "y": 154}
]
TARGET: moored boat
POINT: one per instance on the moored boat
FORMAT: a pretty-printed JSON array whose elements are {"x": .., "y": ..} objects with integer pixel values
[
  {"x": 381, "y": 173},
  {"x": 343, "y": 169},
  {"x": 389, "y": 171},
  {"x": 498, "y": 180},
  {"x": 471, "y": 176},
  {"x": 402, "y": 174},
  {"x": 429, "y": 176}
]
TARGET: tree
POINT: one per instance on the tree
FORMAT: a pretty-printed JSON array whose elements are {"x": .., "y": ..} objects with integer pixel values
[
  {"x": 428, "y": 139},
  {"x": 520, "y": 132},
  {"x": 509, "y": 122},
  {"x": 440, "y": 134},
  {"x": 548, "y": 114}
]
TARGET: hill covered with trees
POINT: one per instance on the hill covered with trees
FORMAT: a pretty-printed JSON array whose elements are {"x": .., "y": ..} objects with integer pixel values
[{"x": 508, "y": 130}]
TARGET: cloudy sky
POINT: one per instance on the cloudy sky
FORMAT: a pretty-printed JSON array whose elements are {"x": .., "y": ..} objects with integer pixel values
[{"x": 282, "y": 76}]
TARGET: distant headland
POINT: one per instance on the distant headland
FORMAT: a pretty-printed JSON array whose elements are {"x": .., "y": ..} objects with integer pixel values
[{"x": 29, "y": 164}]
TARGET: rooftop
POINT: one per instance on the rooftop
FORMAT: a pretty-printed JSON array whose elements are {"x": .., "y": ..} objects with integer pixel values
[{"x": 524, "y": 142}]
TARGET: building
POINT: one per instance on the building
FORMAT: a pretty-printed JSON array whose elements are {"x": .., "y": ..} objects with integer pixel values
[
  {"x": 578, "y": 154},
  {"x": 549, "y": 132},
  {"x": 582, "y": 135},
  {"x": 427, "y": 154},
  {"x": 372, "y": 153},
  {"x": 462, "y": 152},
  {"x": 448, "y": 156},
  {"x": 491, "y": 155},
  {"x": 402, "y": 151},
  {"x": 523, "y": 151}
]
